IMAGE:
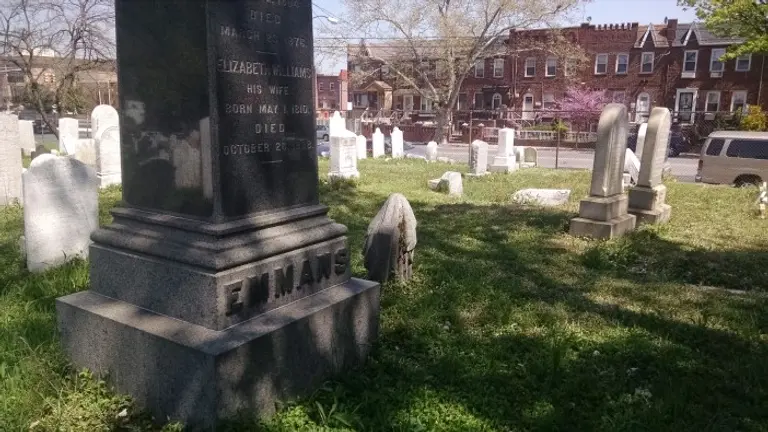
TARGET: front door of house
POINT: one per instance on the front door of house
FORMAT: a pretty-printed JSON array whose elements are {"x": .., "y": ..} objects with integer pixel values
[
  {"x": 527, "y": 107},
  {"x": 685, "y": 106},
  {"x": 642, "y": 108}
]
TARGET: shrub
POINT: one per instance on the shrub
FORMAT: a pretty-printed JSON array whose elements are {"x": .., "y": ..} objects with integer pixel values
[{"x": 754, "y": 120}]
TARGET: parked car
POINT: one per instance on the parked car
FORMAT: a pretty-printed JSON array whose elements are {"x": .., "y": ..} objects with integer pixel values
[
  {"x": 39, "y": 127},
  {"x": 734, "y": 157},
  {"x": 323, "y": 132}
]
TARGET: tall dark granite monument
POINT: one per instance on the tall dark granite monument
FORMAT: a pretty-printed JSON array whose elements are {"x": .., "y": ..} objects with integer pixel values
[{"x": 221, "y": 285}]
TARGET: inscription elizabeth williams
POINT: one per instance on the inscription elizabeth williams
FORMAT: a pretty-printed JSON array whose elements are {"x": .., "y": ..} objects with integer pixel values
[{"x": 255, "y": 291}]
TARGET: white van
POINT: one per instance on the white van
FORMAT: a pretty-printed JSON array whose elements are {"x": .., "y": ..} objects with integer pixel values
[{"x": 734, "y": 157}]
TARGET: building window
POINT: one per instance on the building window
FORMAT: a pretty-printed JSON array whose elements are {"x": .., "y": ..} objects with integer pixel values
[
  {"x": 361, "y": 99},
  {"x": 646, "y": 62},
  {"x": 527, "y": 112},
  {"x": 408, "y": 102},
  {"x": 496, "y": 101},
  {"x": 426, "y": 104},
  {"x": 619, "y": 97},
  {"x": 331, "y": 87},
  {"x": 689, "y": 61},
  {"x": 743, "y": 62},
  {"x": 461, "y": 103},
  {"x": 601, "y": 64},
  {"x": 480, "y": 69},
  {"x": 713, "y": 101},
  {"x": 738, "y": 100},
  {"x": 642, "y": 107},
  {"x": 321, "y": 86},
  {"x": 622, "y": 63},
  {"x": 548, "y": 100},
  {"x": 479, "y": 101},
  {"x": 530, "y": 67},
  {"x": 715, "y": 65},
  {"x": 551, "y": 67},
  {"x": 498, "y": 68}
]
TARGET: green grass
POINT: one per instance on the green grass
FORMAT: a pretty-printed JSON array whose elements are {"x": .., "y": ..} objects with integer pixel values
[{"x": 508, "y": 324}]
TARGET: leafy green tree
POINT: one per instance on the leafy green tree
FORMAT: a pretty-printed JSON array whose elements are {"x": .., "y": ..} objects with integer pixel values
[
  {"x": 745, "y": 19},
  {"x": 755, "y": 120}
]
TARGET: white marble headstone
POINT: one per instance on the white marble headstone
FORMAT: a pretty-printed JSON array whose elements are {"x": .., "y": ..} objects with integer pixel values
[
  {"x": 631, "y": 165},
  {"x": 362, "y": 147},
  {"x": 505, "y": 160},
  {"x": 610, "y": 149},
  {"x": 641, "y": 133},
  {"x": 69, "y": 135},
  {"x": 103, "y": 117},
  {"x": 478, "y": 158},
  {"x": 10, "y": 159},
  {"x": 344, "y": 155},
  {"x": 655, "y": 149},
  {"x": 27, "y": 136},
  {"x": 378, "y": 143},
  {"x": 397, "y": 143},
  {"x": 337, "y": 125},
  {"x": 60, "y": 210},
  {"x": 108, "y": 156},
  {"x": 431, "y": 154}
]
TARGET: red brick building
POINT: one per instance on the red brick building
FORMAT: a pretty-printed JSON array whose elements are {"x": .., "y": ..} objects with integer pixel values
[{"x": 331, "y": 93}]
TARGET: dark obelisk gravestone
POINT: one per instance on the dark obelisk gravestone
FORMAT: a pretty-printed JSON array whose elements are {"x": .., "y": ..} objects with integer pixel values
[{"x": 221, "y": 285}]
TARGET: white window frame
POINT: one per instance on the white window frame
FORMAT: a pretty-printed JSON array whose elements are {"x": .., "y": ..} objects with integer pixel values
[
  {"x": 626, "y": 63},
  {"x": 733, "y": 98},
  {"x": 408, "y": 102},
  {"x": 494, "y": 98},
  {"x": 714, "y": 60},
  {"x": 480, "y": 69},
  {"x": 641, "y": 115},
  {"x": 331, "y": 86},
  {"x": 623, "y": 96},
  {"x": 695, "y": 92},
  {"x": 690, "y": 73},
  {"x": 426, "y": 104},
  {"x": 528, "y": 114},
  {"x": 642, "y": 61},
  {"x": 498, "y": 66},
  {"x": 749, "y": 62},
  {"x": 548, "y": 98},
  {"x": 598, "y": 62},
  {"x": 706, "y": 101},
  {"x": 530, "y": 60},
  {"x": 547, "y": 66},
  {"x": 458, "y": 101},
  {"x": 321, "y": 86}
]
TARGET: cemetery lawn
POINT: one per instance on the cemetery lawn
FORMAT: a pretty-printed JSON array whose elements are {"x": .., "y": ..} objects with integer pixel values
[{"x": 509, "y": 323}]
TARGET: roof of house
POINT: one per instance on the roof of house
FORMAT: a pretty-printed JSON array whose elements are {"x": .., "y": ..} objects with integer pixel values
[
  {"x": 687, "y": 31},
  {"x": 652, "y": 32}
]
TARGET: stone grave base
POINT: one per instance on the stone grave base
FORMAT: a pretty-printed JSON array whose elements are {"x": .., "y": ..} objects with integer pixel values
[
  {"x": 648, "y": 205},
  {"x": 602, "y": 217},
  {"x": 187, "y": 372},
  {"x": 482, "y": 174},
  {"x": 503, "y": 167},
  {"x": 659, "y": 215},
  {"x": 343, "y": 175}
]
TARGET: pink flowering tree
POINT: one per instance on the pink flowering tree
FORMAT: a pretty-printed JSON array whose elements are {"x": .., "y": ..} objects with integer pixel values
[{"x": 580, "y": 106}]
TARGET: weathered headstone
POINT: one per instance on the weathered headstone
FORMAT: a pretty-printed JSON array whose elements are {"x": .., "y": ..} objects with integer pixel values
[
  {"x": 102, "y": 118},
  {"x": 362, "y": 147},
  {"x": 27, "y": 136},
  {"x": 431, "y": 153},
  {"x": 378, "y": 143},
  {"x": 390, "y": 241},
  {"x": 69, "y": 135},
  {"x": 10, "y": 160},
  {"x": 647, "y": 198},
  {"x": 530, "y": 157},
  {"x": 85, "y": 151},
  {"x": 542, "y": 197},
  {"x": 108, "y": 155},
  {"x": 478, "y": 159},
  {"x": 450, "y": 183},
  {"x": 641, "y": 134},
  {"x": 344, "y": 156},
  {"x": 397, "y": 143},
  {"x": 604, "y": 213},
  {"x": 631, "y": 165},
  {"x": 505, "y": 160},
  {"x": 61, "y": 210},
  {"x": 226, "y": 297},
  {"x": 337, "y": 125}
]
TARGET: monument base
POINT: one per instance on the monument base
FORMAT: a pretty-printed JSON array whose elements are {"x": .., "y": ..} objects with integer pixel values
[
  {"x": 603, "y": 208},
  {"x": 659, "y": 215},
  {"x": 502, "y": 168},
  {"x": 345, "y": 175},
  {"x": 192, "y": 374},
  {"x": 616, "y": 227}
]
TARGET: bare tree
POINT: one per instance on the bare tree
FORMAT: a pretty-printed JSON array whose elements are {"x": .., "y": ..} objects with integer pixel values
[
  {"x": 431, "y": 46},
  {"x": 54, "y": 42}
]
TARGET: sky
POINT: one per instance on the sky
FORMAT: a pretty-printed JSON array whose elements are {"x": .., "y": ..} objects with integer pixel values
[{"x": 601, "y": 12}]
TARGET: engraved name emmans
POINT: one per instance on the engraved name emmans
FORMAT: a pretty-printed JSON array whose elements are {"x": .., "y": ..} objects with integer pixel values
[{"x": 281, "y": 281}]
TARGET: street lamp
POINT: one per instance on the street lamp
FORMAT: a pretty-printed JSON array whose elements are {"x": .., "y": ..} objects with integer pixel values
[{"x": 330, "y": 19}]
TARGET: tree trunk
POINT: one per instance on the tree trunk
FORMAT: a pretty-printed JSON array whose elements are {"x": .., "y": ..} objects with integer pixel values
[{"x": 441, "y": 135}]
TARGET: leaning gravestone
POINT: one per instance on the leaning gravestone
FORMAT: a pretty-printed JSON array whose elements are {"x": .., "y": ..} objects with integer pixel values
[
  {"x": 108, "y": 155},
  {"x": 450, "y": 183},
  {"x": 378, "y": 143},
  {"x": 631, "y": 165},
  {"x": 344, "y": 156},
  {"x": 69, "y": 135},
  {"x": 478, "y": 159},
  {"x": 542, "y": 197},
  {"x": 86, "y": 152},
  {"x": 390, "y": 241},
  {"x": 397, "y": 142},
  {"x": 103, "y": 117},
  {"x": 647, "y": 199},
  {"x": 61, "y": 210},
  {"x": 27, "y": 136},
  {"x": 604, "y": 213},
  {"x": 228, "y": 297},
  {"x": 431, "y": 154},
  {"x": 362, "y": 147},
  {"x": 10, "y": 160},
  {"x": 505, "y": 160}
]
